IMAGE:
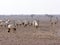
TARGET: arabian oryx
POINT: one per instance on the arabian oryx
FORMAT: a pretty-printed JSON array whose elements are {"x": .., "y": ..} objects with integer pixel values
[
  {"x": 2, "y": 23},
  {"x": 11, "y": 26},
  {"x": 6, "y": 23},
  {"x": 35, "y": 23},
  {"x": 18, "y": 23},
  {"x": 25, "y": 23}
]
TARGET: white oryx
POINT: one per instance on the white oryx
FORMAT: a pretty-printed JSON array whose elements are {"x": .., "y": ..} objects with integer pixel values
[
  {"x": 25, "y": 23},
  {"x": 1, "y": 23},
  {"x": 18, "y": 22},
  {"x": 6, "y": 23},
  {"x": 11, "y": 26},
  {"x": 35, "y": 23},
  {"x": 54, "y": 20}
]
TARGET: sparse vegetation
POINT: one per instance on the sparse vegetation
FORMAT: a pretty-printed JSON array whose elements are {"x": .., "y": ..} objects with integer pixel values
[{"x": 29, "y": 32}]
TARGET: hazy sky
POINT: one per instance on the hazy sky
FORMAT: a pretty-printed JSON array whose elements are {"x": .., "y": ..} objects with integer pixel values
[{"x": 29, "y": 6}]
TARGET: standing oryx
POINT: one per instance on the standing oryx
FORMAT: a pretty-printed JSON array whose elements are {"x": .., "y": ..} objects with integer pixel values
[
  {"x": 18, "y": 23},
  {"x": 11, "y": 26},
  {"x": 54, "y": 20},
  {"x": 25, "y": 23},
  {"x": 2, "y": 23},
  {"x": 6, "y": 23},
  {"x": 35, "y": 23}
]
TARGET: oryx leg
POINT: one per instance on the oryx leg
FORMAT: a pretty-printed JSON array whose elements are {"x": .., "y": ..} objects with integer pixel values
[
  {"x": 8, "y": 29},
  {"x": 36, "y": 26},
  {"x": 14, "y": 29},
  {"x": 25, "y": 24}
]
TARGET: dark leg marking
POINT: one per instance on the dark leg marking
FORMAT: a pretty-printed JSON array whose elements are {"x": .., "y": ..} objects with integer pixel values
[
  {"x": 52, "y": 23},
  {"x": 14, "y": 29},
  {"x": 8, "y": 29},
  {"x": 36, "y": 26},
  {"x": 55, "y": 23},
  {"x": 25, "y": 25}
]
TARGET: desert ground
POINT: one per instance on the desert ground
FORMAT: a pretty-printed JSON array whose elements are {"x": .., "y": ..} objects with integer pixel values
[{"x": 45, "y": 34}]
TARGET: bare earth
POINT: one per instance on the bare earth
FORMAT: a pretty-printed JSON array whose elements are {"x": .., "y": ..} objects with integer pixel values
[{"x": 30, "y": 36}]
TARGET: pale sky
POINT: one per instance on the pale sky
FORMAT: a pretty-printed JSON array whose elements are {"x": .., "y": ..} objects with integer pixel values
[{"x": 29, "y": 7}]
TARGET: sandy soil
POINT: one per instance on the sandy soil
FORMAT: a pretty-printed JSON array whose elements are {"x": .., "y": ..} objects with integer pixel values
[{"x": 44, "y": 35}]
